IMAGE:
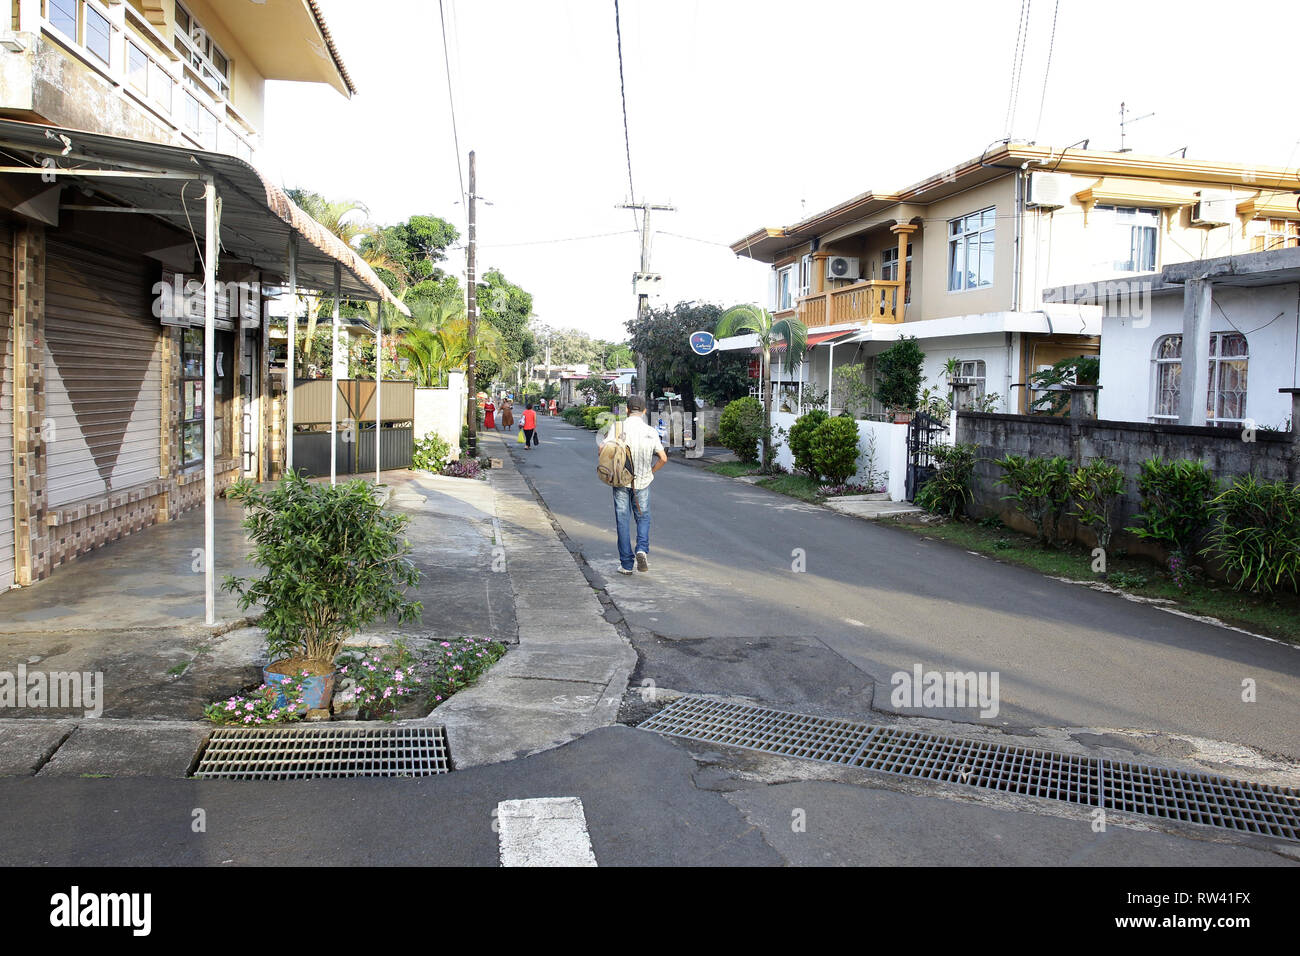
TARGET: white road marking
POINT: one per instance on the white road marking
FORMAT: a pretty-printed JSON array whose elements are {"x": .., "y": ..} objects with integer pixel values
[
  {"x": 854, "y": 621},
  {"x": 561, "y": 438},
  {"x": 546, "y": 831}
]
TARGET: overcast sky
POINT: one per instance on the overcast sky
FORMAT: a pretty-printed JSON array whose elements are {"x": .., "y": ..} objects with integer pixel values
[{"x": 744, "y": 114}]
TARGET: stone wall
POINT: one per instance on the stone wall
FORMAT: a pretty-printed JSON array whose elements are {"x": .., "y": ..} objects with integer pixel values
[{"x": 1226, "y": 451}]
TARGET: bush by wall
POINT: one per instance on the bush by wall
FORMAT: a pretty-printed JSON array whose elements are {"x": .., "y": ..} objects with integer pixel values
[
  {"x": 1040, "y": 490},
  {"x": 949, "y": 490},
  {"x": 432, "y": 452},
  {"x": 741, "y": 428},
  {"x": 833, "y": 447},
  {"x": 1256, "y": 534},
  {"x": 1175, "y": 504},
  {"x": 1097, "y": 489},
  {"x": 801, "y": 433}
]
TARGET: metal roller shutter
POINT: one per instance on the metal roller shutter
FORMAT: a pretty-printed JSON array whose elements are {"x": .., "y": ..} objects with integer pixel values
[
  {"x": 7, "y": 529},
  {"x": 103, "y": 373}
]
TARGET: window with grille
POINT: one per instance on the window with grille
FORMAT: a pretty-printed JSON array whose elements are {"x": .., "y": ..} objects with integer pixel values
[{"x": 1225, "y": 400}]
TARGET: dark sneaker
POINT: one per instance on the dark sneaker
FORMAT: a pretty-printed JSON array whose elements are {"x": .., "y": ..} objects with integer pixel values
[
  {"x": 642, "y": 561},
  {"x": 623, "y": 570}
]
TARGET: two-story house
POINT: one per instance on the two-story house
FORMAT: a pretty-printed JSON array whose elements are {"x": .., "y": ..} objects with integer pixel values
[
  {"x": 960, "y": 259},
  {"x": 120, "y": 120}
]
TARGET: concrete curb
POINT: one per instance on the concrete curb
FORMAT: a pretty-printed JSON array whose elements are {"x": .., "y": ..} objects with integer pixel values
[{"x": 568, "y": 674}]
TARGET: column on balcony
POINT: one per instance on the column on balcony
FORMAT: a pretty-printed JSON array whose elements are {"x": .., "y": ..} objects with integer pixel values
[{"x": 904, "y": 232}]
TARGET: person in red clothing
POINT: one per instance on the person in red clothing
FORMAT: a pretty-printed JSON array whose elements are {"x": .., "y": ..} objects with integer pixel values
[
  {"x": 489, "y": 415},
  {"x": 530, "y": 427}
]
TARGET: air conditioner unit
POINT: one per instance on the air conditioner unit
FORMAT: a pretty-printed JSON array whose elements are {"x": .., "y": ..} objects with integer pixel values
[
  {"x": 843, "y": 267},
  {"x": 1048, "y": 190},
  {"x": 1214, "y": 209}
]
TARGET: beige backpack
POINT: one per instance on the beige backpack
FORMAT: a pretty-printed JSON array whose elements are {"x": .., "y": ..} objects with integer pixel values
[{"x": 614, "y": 460}]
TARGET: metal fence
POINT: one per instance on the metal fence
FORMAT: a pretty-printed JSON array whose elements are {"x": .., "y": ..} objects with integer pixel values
[{"x": 355, "y": 451}]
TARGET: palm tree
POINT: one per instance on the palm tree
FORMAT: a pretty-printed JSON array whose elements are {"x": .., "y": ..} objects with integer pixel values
[
  {"x": 753, "y": 320},
  {"x": 436, "y": 339}
]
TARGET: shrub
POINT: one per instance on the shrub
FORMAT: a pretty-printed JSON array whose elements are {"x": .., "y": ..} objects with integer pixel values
[
  {"x": 1040, "y": 489},
  {"x": 800, "y": 440},
  {"x": 1175, "y": 506},
  {"x": 1256, "y": 533},
  {"x": 834, "y": 449},
  {"x": 572, "y": 414},
  {"x": 741, "y": 428},
  {"x": 591, "y": 416},
  {"x": 949, "y": 490},
  {"x": 432, "y": 452},
  {"x": 261, "y": 706},
  {"x": 898, "y": 374},
  {"x": 1127, "y": 579},
  {"x": 465, "y": 468},
  {"x": 335, "y": 562},
  {"x": 1097, "y": 488}
]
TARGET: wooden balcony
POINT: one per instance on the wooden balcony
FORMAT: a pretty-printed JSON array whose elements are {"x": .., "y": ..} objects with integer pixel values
[{"x": 870, "y": 301}]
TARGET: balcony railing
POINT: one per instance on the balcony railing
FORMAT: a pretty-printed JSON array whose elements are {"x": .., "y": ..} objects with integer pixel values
[{"x": 871, "y": 301}]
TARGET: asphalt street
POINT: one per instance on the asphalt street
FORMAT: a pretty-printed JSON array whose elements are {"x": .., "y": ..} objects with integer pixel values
[{"x": 723, "y": 612}]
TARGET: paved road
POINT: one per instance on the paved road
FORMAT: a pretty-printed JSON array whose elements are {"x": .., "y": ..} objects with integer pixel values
[
  {"x": 722, "y": 611},
  {"x": 646, "y": 803}
]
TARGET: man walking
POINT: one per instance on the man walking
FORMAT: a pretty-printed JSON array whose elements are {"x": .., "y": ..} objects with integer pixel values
[{"x": 648, "y": 456}]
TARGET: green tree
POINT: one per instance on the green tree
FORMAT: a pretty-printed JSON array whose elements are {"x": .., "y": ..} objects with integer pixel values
[
  {"x": 898, "y": 375},
  {"x": 662, "y": 338},
  {"x": 507, "y": 308},
  {"x": 757, "y": 321}
]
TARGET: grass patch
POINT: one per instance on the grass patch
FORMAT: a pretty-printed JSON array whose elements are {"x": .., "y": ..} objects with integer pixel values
[
  {"x": 178, "y": 670},
  {"x": 796, "y": 486},
  {"x": 732, "y": 469},
  {"x": 1275, "y": 615}
]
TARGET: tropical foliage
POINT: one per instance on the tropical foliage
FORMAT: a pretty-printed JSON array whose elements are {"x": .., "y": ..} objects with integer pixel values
[{"x": 789, "y": 332}]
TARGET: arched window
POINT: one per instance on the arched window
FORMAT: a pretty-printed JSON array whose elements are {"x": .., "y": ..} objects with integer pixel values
[{"x": 1225, "y": 400}]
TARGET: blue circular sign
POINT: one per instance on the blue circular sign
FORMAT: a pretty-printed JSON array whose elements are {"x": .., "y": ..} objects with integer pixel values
[{"x": 702, "y": 343}]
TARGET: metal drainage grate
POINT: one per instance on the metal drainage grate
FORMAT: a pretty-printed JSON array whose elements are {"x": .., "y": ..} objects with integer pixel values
[
  {"x": 302, "y": 752},
  {"x": 1088, "y": 781}
]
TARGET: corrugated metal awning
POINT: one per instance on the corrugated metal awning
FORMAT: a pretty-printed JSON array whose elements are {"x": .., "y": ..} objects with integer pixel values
[{"x": 256, "y": 217}]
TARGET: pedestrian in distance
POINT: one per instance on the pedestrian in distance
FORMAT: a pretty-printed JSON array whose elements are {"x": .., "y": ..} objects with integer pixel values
[
  {"x": 632, "y": 504},
  {"x": 530, "y": 428},
  {"x": 507, "y": 415}
]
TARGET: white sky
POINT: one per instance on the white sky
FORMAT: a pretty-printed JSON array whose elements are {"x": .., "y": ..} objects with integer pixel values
[{"x": 744, "y": 114}]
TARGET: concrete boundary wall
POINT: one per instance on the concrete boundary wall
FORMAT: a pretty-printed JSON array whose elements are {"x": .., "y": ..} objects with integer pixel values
[{"x": 1226, "y": 451}]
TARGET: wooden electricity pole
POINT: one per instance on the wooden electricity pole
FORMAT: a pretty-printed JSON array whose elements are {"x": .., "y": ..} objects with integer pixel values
[{"x": 471, "y": 310}]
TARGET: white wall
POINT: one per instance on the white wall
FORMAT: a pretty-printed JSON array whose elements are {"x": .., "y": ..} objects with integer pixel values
[
  {"x": 442, "y": 410},
  {"x": 890, "y": 452},
  {"x": 1267, "y": 316}
]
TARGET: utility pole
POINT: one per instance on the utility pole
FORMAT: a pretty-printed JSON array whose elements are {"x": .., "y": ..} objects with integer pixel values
[
  {"x": 471, "y": 310},
  {"x": 644, "y": 280}
]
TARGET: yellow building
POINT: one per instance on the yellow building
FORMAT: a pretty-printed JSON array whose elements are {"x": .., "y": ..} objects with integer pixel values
[{"x": 960, "y": 259}]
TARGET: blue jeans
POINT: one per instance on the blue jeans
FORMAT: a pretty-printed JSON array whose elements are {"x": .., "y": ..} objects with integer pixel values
[{"x": 624, "y": 514}]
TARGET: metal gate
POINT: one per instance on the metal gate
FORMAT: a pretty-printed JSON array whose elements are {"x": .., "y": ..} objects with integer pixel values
[{"x": 923, "y": 432}]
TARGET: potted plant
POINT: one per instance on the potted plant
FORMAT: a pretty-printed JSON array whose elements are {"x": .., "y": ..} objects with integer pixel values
[
  {"x": 898, "y": 378},
  {"x": 335, "y": 561}
]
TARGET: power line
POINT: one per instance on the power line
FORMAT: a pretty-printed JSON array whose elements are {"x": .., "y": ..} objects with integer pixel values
[
  {"x": 543, "y": 242},
  {"x": 451, "y": 99},
  {"x": 1046, "y": 70},
  {"x": 1017, "y": 63},
  {"x": 622, "y": 88}
]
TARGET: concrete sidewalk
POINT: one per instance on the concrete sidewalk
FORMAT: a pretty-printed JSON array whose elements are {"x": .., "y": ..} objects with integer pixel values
[
  {"x": 570, "y": 670},
  {"x": 491, "y": 566}
]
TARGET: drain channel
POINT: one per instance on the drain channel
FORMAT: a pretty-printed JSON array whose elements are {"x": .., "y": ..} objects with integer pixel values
[
  {"x": 1087, "y": 781},
  {"x": 305, "y": 752}
]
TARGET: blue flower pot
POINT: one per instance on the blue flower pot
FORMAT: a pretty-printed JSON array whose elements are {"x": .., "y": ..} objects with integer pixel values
[{"x": 318, "y": 690}]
